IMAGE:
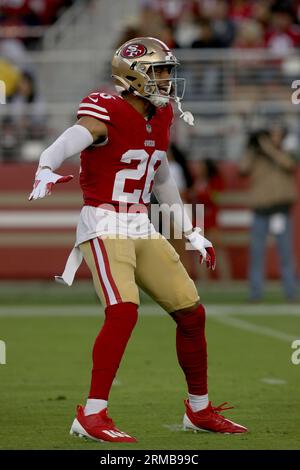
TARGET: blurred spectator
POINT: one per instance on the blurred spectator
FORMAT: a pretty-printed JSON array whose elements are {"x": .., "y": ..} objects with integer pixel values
[
  {"x": 223, "y": 25},
  {"x": 240, "y": 10},
  {"x": 277, "y": 18},
  {"x": 31, "y": 12},
  {"x": 10, "y": 75},
  {"x": 171, "y": 10},
  {"x": 14, "y": 11},
  {"x": 283, "y": 34},
  {"x": 13, "y": 49},
  {"x": 130, "y": 31},
  {"x": 261, "y": 13},
  {"x": 26, "y": 120},
  {"x": 209, "y": 72},
  {"x": 167, "y": 36},
  {"x": 271, "y": 196},
  {"x": 27, "y": 94},
  {"x": 150, "y": 21},
  {"x": 47, "y": 11},
  {"x": 187, "y": 29},
  {"x": 21, "y": 17},
  {"x": 207, "y": 190},
  {"x": 249, "y": 35},
  {"x": 296, "y": 8},
  {"x": 207, "y": 39},
  {"x": 250, "y": 71},
  {"x": 245, "y": 24}
]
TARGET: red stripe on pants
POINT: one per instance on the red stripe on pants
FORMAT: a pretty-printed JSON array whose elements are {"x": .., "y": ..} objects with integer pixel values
[
  {"x": 108, "y": 271},
  {"x": 99, "y": 273}
]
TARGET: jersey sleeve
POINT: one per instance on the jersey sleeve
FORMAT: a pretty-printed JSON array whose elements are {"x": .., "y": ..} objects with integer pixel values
[{"x": 95, "y": 106}]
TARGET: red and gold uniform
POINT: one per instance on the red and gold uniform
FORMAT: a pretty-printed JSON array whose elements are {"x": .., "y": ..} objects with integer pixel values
[
  {"x": 121, "y": 247},
  {"x": 123, "y": 168}
]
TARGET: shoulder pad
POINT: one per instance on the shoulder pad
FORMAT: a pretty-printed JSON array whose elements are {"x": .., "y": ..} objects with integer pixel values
[{"x": 98, "y": 105}]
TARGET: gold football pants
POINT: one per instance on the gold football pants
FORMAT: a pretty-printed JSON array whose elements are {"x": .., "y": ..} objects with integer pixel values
[{"x": 120, "y": 265}]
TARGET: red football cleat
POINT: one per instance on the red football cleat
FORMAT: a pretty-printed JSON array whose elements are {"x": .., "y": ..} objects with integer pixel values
[
  {"x": 98, "y": 427},
  {"x": 210, "y": 419}
]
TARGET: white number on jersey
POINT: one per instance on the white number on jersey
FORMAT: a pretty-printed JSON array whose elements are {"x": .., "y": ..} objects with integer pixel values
[
  {"x": 107, "y": 97},
  {"x": 147, "y": 164},
  {"x": 95, "y": 97}
]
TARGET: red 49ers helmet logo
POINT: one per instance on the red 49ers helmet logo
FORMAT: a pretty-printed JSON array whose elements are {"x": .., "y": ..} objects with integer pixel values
[{"x": 133, "y": 50}]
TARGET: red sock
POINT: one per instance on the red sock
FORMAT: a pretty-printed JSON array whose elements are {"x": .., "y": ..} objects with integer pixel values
[
  {"x": 110, "y": 345},
  {"x": 191, "y": 348}
]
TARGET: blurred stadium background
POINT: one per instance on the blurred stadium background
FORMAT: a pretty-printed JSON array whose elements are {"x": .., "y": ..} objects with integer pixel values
[{"x": 240, "y": 58}]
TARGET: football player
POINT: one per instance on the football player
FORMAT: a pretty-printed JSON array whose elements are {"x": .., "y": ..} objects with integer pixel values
[{"x": 123, "y": 140}]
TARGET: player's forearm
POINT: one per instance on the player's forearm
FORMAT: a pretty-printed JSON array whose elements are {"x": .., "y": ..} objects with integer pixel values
[
  {"x": 73, "y": 141},
  {"x": 282, "y": 159},
  {"x": 167, "y": 193}
]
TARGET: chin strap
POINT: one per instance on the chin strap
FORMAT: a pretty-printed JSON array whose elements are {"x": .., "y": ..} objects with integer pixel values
[{"x": 185, "y": 115}]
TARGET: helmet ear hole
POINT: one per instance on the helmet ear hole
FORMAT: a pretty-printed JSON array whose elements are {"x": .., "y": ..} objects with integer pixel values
[{"x": 130, "y": 78}]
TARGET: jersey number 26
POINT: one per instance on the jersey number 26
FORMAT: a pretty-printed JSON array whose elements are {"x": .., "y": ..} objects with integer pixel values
[{"x": 147, "y": 166}]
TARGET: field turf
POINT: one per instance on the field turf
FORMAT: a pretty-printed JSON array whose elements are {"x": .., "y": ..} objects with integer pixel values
[{"x": 49, "y": 337}]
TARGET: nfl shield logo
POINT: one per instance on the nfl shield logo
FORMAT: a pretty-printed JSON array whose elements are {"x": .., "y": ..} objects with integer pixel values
[{"x": 149, "y": 128}]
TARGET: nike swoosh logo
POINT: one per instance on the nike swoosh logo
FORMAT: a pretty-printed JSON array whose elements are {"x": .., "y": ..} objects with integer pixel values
[{"x": 94, "y": 99}]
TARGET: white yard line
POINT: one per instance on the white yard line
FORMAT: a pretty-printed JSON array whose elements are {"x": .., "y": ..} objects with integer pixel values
[
  {"x": 225, "y": 314},
  {"x": 65, "y": 311},
  {"x": 212, "y": 310},
  {"x": 273, "y": 381},
  {"x": 50, "y": 311},
  {"x": 261, "y": 330},
  {"x": 253, "y": 310}
]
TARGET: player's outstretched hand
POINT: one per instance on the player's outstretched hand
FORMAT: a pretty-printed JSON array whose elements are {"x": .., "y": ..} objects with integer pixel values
[
  {"x": 204, "y": 246},
  {"x": 44, "y": 180}
]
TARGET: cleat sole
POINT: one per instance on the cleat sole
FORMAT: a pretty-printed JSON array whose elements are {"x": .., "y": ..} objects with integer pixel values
[
  {"x": 78, "y": 430},
  {"x": 189, "y": 426}
]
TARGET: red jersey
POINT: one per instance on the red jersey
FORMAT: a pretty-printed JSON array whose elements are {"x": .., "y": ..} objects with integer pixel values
[{"x": 122, "y": 169}]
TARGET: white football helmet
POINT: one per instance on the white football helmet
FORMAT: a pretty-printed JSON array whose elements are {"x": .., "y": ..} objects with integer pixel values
[{"x": 133, "y": 68}]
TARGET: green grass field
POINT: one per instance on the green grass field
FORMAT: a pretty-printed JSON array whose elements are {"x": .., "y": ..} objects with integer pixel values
[{"x": 49, "y": 336}]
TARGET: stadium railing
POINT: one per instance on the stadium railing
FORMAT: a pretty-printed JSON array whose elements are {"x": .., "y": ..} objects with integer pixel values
[{"x": 230, "y": 92}]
